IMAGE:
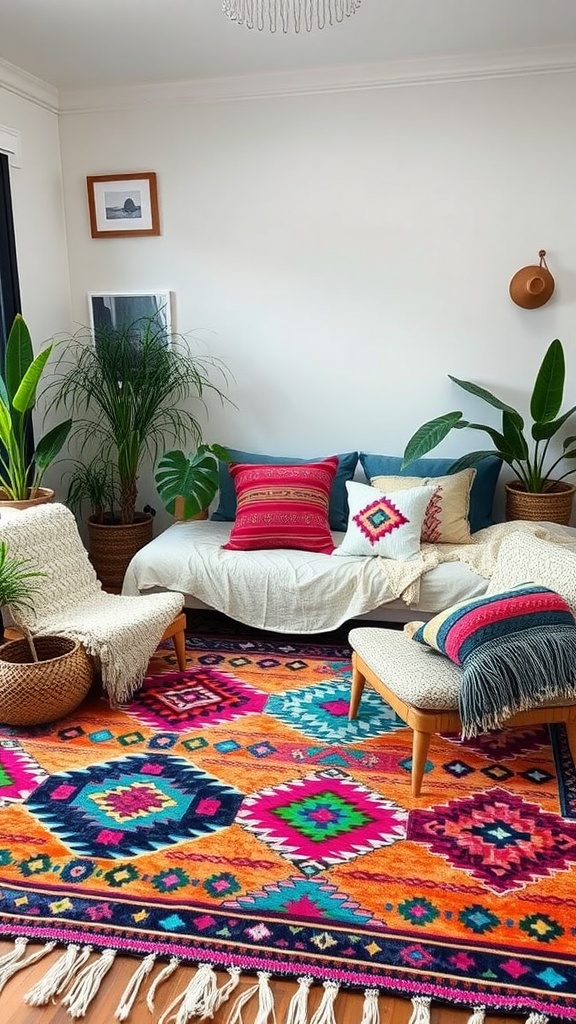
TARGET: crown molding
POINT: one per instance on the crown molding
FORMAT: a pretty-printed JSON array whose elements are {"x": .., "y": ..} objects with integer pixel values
[
  {"x": 511, "y": 64},
  {"x": 23, "y": 84}
]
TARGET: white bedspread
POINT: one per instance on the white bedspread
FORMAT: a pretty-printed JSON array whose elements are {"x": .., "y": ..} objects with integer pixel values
[{"x": 304, "y": 592}]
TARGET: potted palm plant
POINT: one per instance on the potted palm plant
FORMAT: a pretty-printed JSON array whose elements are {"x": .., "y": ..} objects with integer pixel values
[
  {"x": 128, "y": 390},
  {"x": 539, "y": 490},
  {"x": 41, "y": 678},
  {"x": 22, "y": 467}
]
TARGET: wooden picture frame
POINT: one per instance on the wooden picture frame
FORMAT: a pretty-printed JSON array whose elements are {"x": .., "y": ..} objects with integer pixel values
[{"x": 123, "y": 205}]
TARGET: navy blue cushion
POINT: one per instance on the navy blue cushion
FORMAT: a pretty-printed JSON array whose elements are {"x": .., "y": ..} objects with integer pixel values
[
  {"x": 483, "y": 488},
  {"x": 338, "y": 509}
]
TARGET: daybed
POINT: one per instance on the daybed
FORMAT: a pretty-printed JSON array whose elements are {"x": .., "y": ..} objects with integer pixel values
[{"x": 303, "y": 591}]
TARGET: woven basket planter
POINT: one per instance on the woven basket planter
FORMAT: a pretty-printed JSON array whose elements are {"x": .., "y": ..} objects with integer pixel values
[
  {"x": 553, "y": 506},
  {"x": 32, "y": 692},
  {"x": 112, "y": 547}
]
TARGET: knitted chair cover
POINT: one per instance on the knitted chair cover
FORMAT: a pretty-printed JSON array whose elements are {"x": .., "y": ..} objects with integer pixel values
[{"x": 121, "y": 632}]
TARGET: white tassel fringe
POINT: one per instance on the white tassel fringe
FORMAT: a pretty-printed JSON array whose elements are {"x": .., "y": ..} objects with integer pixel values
[
  {"x": 58, "y": 976},
  {"x": 128, "y": 997},
  {"x": 15, "y": 960},
  {"x": 197, "y": 999},
  {"x": 537, "y": 1018},
  {"x": 477, "y": 1016},
  {"x": 325, "y": 1012},
  {"x": 265, "y": 1002},
  {"x": 160, "y": 977},
  {"x": 371, "y": 1012},
  {"x": 297, "y": 1012},
  {"x": 85, "y": 986},
  {"x": 420, "y": 1010},
  {"x": 226, "y": 990}
]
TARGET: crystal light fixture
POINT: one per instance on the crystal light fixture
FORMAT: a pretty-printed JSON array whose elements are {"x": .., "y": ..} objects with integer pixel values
[{"x": 286, "y": 14}]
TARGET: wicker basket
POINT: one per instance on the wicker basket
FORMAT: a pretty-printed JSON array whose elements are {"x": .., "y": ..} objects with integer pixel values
[
  {"x": 112, "y": 547},
  {"x": 43, "y": 691},
  {"x": 552, "y": 506}
]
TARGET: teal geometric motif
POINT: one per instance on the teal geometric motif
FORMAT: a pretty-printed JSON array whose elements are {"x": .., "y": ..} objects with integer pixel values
[
  {"x": 321, "y": 713},
  {"x": 303, "y": 898}
]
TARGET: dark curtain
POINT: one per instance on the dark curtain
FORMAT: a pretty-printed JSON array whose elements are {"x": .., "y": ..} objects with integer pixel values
[{"x": 9, "y": 287}]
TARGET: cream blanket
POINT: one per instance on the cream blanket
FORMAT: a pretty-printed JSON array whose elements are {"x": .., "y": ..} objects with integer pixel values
[
  {"x": 305, "y": 592},
  {"x": 121, "y": 632},
  {"x": 480, "y": 555}
]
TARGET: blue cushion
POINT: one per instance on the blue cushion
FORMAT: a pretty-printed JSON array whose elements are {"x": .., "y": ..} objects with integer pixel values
[
  {"x": 338, "y": 509},
  {"x": 483, "y": 488}
]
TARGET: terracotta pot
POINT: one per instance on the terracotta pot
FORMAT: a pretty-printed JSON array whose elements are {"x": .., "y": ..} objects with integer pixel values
[
  {"x": 112, "y": 546},
  {"x": 551, "y": 506},
  {"x": 41, "y": 496}
]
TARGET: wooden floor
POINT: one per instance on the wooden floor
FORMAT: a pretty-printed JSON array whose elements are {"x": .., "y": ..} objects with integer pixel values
[{"x": 348, "y": 1006}]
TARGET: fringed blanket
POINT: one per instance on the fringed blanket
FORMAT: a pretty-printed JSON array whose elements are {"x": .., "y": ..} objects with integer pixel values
[{"x": 121, "y": 632}]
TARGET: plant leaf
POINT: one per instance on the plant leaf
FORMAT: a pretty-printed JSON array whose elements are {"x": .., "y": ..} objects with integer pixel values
[
  {"x": 569, "y": 440},
  {"x": 19, "y": 355},
  {"x": 549, "y": 385},
  {"x": 25, "y": 395},
  {"x": 195, "y": 478},
  {"x": 428, "y": 436},
  {"x": 544, "y": 431},
  {"x": 487, "y": 396},
  {"x": 50, "y": 445},
  {"x": 516, "y": 443},
  {"x": 471, "y": 459}
]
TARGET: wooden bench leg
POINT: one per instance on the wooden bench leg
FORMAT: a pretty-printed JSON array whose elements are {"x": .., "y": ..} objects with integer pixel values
[
  {"x": 180, "y": 649},
  {"x": 358, "y": 684},
  {"x": 420, "y": 745}
]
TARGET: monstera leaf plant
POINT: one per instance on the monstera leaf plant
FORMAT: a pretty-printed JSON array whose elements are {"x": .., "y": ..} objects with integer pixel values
[{"x": 191, "y": 478}]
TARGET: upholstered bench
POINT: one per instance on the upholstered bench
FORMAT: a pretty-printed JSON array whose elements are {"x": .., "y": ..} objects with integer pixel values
[{"x": 422, "y": 686}]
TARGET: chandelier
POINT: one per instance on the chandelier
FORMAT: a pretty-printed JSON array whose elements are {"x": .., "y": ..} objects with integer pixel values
[{"x": 284, "y": 14}]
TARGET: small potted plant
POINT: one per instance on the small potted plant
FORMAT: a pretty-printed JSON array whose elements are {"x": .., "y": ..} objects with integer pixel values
[
  {"x": 540, "y": 490},
  {"x": 21, "y": 466},
  {"x": 41, "y": 678}
]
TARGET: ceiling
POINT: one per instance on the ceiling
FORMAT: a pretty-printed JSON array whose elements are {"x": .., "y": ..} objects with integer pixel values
[{"x": 79, "y": 44}]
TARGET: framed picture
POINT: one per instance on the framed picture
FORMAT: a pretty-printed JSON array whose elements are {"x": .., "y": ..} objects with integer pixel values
[
  {"x": 133, "y": 310},
  {"x": 123, "y": 204}
]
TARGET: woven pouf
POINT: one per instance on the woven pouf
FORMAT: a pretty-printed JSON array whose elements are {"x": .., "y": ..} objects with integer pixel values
[{"x": 43, "y": 691}]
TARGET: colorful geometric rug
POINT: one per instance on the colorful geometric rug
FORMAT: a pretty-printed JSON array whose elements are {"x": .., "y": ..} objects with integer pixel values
[{"x": 232, "y": 815}]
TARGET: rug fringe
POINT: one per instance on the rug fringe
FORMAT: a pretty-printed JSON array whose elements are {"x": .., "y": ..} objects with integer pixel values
[
  {"x": 197, "y": 999},
  {"x": 371, "y": 1011},
  {"x": 297, "y": 1012},
  {"x": 225, "y": 991},
  {"x": 165, "y": 973},
  {"x": 325, "y": 1012},
  {"x": 128, "y": 997},
  {"x": 420, "y": 1010},
  {"x": 265, "y": 1002},
  {"x": 16, "y": 961},
  {"x": 86, "y": 985},
  {"x": 477, "y": 1016},
  {"x": 537, "y": 1018},
  {"x": 58, "y": 976}
]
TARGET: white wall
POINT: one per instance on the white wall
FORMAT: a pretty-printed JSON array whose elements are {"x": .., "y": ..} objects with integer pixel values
[{"x": 344, "y": 252}]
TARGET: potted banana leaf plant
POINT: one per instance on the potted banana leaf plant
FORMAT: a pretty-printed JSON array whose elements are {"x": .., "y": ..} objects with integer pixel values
[
  {"x": 22, "y": 466},
  {"x": 539, "y": 490}
]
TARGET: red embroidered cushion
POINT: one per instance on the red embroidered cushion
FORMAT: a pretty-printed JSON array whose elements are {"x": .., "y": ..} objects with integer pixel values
[{"x": 282, "y": 506}]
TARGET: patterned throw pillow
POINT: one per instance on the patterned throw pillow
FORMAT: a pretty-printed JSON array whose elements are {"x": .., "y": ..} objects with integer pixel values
[
  {"x": 283, "y": 506},
  {"x": 338, "y": 505},
  {"x": 382, "y": 524},
  {"x": 446, "y": 516},
  {"x": 517, "y": 649}
]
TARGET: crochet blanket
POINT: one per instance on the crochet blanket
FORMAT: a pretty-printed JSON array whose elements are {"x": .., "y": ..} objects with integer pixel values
[
  {"x": 121, "y": 632},
  {"x": 479, "y": 556}
]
